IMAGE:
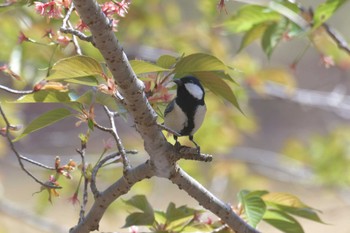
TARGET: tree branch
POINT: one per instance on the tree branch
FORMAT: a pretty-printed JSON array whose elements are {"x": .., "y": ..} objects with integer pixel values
[
  {"x": 102, "y": 201},
  {"x": 162, "y": 154},
  {"x": 19, "y": 157},
  {"x": 210, "y": 202}
]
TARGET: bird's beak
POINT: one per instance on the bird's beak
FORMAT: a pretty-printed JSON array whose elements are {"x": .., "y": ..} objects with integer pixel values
[{"x": 177, "y": 81}]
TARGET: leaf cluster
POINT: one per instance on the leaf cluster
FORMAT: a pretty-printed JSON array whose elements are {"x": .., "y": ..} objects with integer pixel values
[{"x": 277, "y": 209}]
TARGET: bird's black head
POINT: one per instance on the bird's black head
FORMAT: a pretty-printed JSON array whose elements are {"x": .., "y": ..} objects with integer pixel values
[{"x": 189, "y": 87}]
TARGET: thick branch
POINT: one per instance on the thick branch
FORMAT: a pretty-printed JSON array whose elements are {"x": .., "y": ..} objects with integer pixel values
[{"x": 210, "y": 202}]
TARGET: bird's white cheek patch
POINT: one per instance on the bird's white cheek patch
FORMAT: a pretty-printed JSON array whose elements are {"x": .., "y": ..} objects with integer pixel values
[{"x": 194, "y": 90}]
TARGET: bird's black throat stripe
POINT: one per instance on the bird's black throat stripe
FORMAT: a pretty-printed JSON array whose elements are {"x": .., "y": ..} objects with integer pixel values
[{"x": 187, "y": 102}]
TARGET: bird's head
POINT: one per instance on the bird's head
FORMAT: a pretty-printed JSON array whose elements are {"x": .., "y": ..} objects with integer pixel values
[{"x": 191, "y": 85}]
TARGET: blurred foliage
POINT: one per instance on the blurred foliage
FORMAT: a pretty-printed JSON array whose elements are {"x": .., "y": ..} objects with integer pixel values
[
  {"x": 31, "y": 48},
  {"x": 326, "y": 155},
  {"x": 276, "y": 209}
]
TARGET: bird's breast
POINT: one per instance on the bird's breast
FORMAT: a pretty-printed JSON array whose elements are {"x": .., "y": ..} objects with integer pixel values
[{"x": 176, "y": 119}]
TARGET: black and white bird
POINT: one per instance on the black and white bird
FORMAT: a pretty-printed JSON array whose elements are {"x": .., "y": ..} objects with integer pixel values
[{"x": 185, "y": 114}]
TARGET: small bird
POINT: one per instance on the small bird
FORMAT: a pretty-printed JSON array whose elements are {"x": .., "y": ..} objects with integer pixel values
[{"x": 185, "y": 114}]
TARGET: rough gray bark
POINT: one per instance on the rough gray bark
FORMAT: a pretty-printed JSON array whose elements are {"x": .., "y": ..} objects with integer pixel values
[{"x": 163, "y": 156}]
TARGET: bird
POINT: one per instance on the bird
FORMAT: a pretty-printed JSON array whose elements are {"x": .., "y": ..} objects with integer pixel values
[{"x": 186, "y": 112}]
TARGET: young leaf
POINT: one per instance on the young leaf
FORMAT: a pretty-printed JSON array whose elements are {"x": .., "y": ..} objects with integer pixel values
[
  {"x": 140, "y": 202},
  {"x": 218, "y": 86},
  {"x": 141, "y": 67},
  {"x": 325, "y": 10},
  {"x": 254, "y": 207},
  {"x": 272, "y": 36},
  {"x": 198, "y": 62},
  {"x": 139, "y": 219},
  {"x": 291, "y": 204},
  {"x": 282, "y": 221},
  {"x": 75, "y": 67},
  {"x": 45, "y": 120},
  {"x": 45, "y": 97},
  {"x": 173, "y": 213},
  {"x": 166, "y": 61},
  {"x": 249, "y": 16},
  {"x": 253, "y": 34}
]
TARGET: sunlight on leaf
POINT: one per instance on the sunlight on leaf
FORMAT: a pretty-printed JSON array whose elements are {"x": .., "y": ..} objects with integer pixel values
[
  {"x": 75, "y": 67},
  {"x": 250, "y": 15},
  {"x": 218, "y": 86},
  {"x": 198, "y": 62},
  {"x": 141, "y": 67},
  {"x": 45, "y": 97}
]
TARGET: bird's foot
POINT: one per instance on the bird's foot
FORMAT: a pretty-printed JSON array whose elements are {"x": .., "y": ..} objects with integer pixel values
[{"x": 198, "y": 150}]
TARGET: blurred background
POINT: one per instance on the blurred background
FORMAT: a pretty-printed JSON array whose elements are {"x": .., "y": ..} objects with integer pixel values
[{"x": 294, "y": 136}]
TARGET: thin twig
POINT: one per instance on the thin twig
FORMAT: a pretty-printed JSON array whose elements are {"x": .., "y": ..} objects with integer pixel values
[
  {"x": 102, "y": 162},
  {"x": 13, "y": 91},
  {"x": 19, "y": 157},
  {"x": 81, "y": 152},
  {"x": 338, "y": 39},
  {"x": 36, "y": 163},
  {"x": 114, "y": 132},
  {"x": 67, "y": 28},
  {"x": 93, "y": 186},
  {"x": 169, "y": 130}
]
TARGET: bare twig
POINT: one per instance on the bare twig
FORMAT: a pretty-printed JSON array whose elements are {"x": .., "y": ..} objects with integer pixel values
[
  {"x": 19, "y": 157},
  {"x": 36, "y": 163},
  {"x": 7, "y": 4},
  {"x": 337, "y": 38},
  {"x": 169, "y": 130},
  {"x": 67, "y": 28},
  {"x": 97, "y": 167},
  {"x": 13, "y": 91},
  {"x": 81, "y": 152},
  {"x": 121, "y": 149}
]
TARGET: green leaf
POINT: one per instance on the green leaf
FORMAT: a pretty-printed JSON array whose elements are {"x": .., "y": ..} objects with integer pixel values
[
  {"x": 325, "y": 10},
  {"x": 272, "y": 36},
  {"x": 199, "y": 62},
  {"x": 45, "y": 120},
  {"x": 107, "y": 100},
  {"x": 173, "y": 213},
  {"x": 87, "y": 81},
  {"x": 282, "y": 221},
  {"x": 141, "y": 67},
  {"x": 291, "y": 204},
  {"x": 166, "y": 61},
  {"x": 249, "y": 16},
  {"x": 218, "y": 86},
  {"x": 159, "y": 217},
  {"x": 75, "y": 67},
  {"x": 254, "y": 207},
  {"x": 285, "y": 199},
  {"x": 139, "y": 219},
  {"x": 253, "y": 34},
  {"x": 45, "y": 97},
  {"x": 140, "y": 202}
]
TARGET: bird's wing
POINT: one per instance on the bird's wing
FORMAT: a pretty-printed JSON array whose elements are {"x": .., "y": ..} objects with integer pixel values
[{"x": 169, "y": 108}]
